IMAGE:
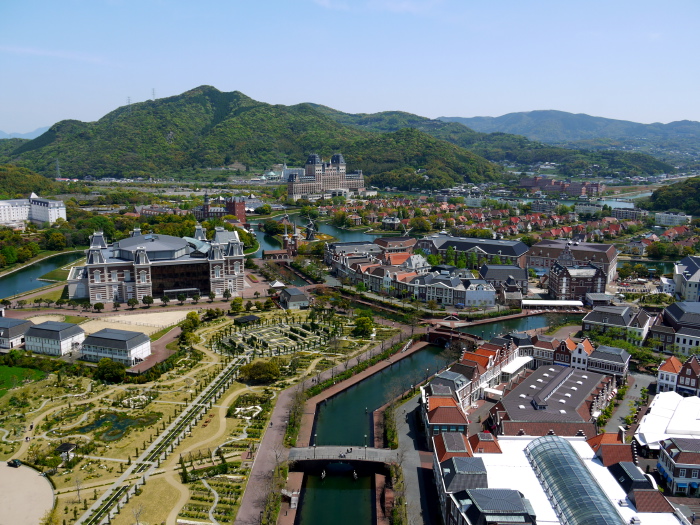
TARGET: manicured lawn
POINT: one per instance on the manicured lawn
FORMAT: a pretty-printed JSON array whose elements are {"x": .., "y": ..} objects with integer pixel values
[
  {"x": 75, "y": 319},
  {"x": 160, "y": 333},
  {"x": 7, "y": 373}
]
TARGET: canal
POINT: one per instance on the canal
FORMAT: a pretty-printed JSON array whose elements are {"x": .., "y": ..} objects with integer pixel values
[
  {"x": 345, "y": 419},
  {"x": 26, "y": 279}
]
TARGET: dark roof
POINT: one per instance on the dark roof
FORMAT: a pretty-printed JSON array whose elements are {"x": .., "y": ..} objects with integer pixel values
[
  {"x": 460, "y": 473},
  {"x": 610, "y": 315},
  {"x": 246, "y": 319},
  {"x": 120, "y": 339},
  {"x": 501, "y": 272},
  {"x": 519, "y": 338},
  {"x": 54, "y": 330},
  {"x": 8, "y": 322},
  {"x": 495, "y": 501},
  {"x": 569, "y": 390},
  {"x": 629, "y": 476},
  {"x": 684, "y": 313},
  {"x": 489, "y": 246},
  {"x": 66, "y": 447},
  {"x": 610, "y": 353},
  {"x": 294, "y": 293}
]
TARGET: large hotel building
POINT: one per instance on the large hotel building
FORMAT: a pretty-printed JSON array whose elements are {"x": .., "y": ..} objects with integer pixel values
[{"x": 324, "y": 179}]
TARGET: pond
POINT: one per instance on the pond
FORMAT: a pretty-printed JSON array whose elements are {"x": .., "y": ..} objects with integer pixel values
[
  {"x": 115, "y": 425},
  {"x": 26, "y": 279}
]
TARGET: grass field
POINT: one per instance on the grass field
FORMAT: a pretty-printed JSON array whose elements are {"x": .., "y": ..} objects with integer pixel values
[{"x": 11, "y": 376}]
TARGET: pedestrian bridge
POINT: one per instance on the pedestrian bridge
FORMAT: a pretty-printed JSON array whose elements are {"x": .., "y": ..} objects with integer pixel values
[{"x": 338, "y": 453}]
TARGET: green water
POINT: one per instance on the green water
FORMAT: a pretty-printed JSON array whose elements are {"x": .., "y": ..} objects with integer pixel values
[
  {"x": 337, "y": 499},
  {"x": 115, "y": 425}
]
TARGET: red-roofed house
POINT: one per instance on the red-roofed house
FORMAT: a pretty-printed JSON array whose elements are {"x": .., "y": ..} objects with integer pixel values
[{"x": 667, "y": 375}]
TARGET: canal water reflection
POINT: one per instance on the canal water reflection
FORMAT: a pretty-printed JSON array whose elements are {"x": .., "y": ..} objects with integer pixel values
[{"x": 26, "y": 279}]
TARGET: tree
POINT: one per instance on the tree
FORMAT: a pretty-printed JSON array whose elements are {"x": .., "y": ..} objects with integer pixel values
[
  {"x": 212, "y": 296},
  {"x": 195, "y": 298},
  {"x": 147, "y": 300},
  {"x": 237, "y": 305},
  {"x": 60, "y": 302},
  {"x": 256, "y": 294},
  {"x": 227, "y": 294},
  {"x": 137, "y": 511},
  {"x": 260, "y": 372},
  {"x": 182, "y": 298},
  {"x": 269, "y": 304},
  {"x": 98, "y": 307},
  {"x": 432, "y": 305},
  {"x": 165, "y": 300},
  {"x": 110, "y": 371},
  {"x": 363, "y": 327},
  {"x": 249, "y": 306},
  {"x": 132, "y": 303}
]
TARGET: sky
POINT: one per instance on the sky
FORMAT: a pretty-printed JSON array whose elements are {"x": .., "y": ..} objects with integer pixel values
[{"x": 81, "y": 59}]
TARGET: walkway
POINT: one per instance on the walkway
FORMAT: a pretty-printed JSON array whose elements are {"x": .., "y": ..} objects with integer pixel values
[{"x": 383, "y": 455}]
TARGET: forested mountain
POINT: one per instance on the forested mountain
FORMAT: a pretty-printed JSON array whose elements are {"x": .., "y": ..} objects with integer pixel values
[
  {"x": 207, "y": 128},
  {"x": 680, "y": 196},
  {"x": 499, "y": 146},
  {"x": 23, "y": 182},
  {"x": 676, "y": 142},
  {"x": 559, "y": 126}
]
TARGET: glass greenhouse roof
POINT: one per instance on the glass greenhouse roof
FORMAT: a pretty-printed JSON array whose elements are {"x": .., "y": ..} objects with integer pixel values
[{"x": 573, "y": 492}]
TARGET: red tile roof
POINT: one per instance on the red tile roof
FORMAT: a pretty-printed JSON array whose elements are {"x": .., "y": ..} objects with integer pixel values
[
  {"x": 443, "y": 415},
  {"x": 485, "y": 446},
  {"x": 650, "y": 500},
  {"x": 438, "y": 401},
  {"x": 606, "y": 438},
  {"x": 614, "y": 453},
  {"x": 441, "y": 448},
  {"x": 672, "y": 365}
]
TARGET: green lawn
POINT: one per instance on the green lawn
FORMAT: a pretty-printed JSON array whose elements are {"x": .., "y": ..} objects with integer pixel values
[{"x": 7, "y": 373}]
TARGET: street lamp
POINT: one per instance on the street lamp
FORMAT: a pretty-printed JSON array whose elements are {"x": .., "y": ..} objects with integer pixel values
[
  {"x": 315, "y": 437},
  {"x": 365, "y": 446}
]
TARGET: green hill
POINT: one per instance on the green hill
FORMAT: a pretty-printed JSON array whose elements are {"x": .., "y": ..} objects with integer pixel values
[
  {"x": 23, "y": 182},
  {"x": 207, "y": 128},
  {"x": 680, "y": 196},
  {"x": 504, "y": 147}
]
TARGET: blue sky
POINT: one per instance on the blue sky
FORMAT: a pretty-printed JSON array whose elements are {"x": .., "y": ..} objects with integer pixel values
[{"x": 80, "y": 59}]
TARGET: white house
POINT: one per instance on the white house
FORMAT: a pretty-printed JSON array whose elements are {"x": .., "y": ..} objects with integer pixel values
[
  {"x": 12, "y": 332},
  {"x": 124, "y": 346},
  {"x": 54, "y": 338},
  {"x": 686, "y": 278},
  {"x": 667, "y": 376}
]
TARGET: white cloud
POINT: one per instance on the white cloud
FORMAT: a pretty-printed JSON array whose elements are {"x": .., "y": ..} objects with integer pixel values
[{"x": 52, "y": 53}]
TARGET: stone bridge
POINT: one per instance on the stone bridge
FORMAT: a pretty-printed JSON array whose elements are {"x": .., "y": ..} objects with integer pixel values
[{"x": 338, "y": 453}]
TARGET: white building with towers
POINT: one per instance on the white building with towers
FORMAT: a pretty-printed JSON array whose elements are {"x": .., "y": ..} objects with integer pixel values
[{"x": 323, "y": 180}]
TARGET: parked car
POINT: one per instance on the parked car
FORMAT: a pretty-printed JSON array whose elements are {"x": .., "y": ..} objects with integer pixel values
[
  {"x": 459, "y": 306},
  {"x": 14, "y": 463}
]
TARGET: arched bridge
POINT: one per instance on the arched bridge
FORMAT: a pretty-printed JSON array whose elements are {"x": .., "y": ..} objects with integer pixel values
[{"x": 336, "y": 453}]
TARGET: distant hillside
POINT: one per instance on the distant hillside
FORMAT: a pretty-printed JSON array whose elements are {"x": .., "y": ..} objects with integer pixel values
[
  {"x": 559, "y": 126},
  {"x": 681, "y": 196},
  {"x": 676, "y": 142},
  {"x": 23, "y": 182},
  {"x": 207, "y": 128},
  {"x": 31, "y": 135},
  {"x": 499, "y": 146}
]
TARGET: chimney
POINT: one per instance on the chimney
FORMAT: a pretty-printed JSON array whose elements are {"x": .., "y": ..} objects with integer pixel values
[{"x": 621, "y": 433}]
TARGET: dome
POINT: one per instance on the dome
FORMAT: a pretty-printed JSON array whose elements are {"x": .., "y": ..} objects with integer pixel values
[
  {"x": 337, "y": 159},
  {"x": 313, "y": 159}
]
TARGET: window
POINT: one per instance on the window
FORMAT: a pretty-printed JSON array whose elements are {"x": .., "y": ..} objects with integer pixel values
[
  {"x": 681, "y": 473},
  {"x": 97, "y": 277},
  {"x": 127, "y": 275},
  {"x": 694, "y": 473}
]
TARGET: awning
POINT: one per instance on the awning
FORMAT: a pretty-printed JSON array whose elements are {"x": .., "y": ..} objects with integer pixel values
[
  {"x": 693, "y": 485},
  {"x": 660, "y": 467},
  {"x": 494, "y": 391},
  {"x": 682, "y": 485}
]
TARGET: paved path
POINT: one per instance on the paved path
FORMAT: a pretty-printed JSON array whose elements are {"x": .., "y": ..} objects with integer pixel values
[
  {"x": 383, "y": 455},
  {"x": 416, "y": 463},
  {"x": 636, "y": 381}
]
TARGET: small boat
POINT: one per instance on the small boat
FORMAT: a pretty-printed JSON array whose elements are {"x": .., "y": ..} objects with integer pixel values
[
  {"x": 323, "y": 475},
  {"x": 354, "y": 475}
]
